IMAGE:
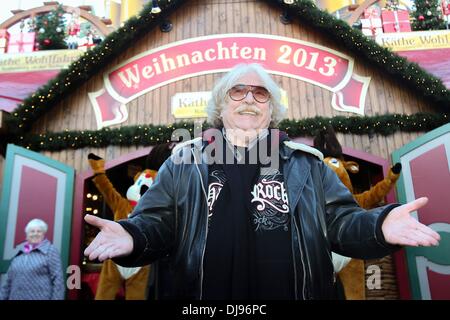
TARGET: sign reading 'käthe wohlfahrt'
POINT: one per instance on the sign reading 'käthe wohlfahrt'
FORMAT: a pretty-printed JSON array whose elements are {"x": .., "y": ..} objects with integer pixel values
[{"x": 297, "y": 59}]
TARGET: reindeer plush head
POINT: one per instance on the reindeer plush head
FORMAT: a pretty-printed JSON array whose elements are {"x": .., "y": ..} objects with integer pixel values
[{"x": 328, "y": 144}]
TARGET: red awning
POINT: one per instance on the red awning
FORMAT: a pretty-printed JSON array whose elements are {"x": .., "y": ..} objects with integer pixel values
[
  {"x": 435, "y": 61},
  {"x": 14, "y": 87}
]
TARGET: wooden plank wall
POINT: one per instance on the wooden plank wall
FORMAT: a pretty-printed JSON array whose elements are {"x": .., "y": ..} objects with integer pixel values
[{"x": 206, "y": 17}]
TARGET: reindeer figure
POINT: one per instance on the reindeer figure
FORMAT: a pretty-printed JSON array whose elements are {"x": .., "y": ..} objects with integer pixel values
[{"x": 352, "y": 275}]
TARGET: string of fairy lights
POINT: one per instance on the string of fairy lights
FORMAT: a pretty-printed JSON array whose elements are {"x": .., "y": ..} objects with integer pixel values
[
  {"x": 304, "y": 11},
  {"x": 92, "y": 198}
]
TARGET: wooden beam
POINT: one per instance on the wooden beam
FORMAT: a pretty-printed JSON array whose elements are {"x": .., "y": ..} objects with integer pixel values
[
  {"x": 86, "y": 7},
  {"x": 106, "y": 21},
  {"x": 358, "y": 12},
  {"x": 24, "y": 14}
]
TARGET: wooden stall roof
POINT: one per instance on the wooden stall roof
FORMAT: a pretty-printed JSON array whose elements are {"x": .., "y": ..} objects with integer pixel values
[{"x": 302, "y": 11}]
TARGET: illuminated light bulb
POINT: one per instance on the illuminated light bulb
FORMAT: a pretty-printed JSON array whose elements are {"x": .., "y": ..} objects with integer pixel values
[{"x": 155, "y": 7}]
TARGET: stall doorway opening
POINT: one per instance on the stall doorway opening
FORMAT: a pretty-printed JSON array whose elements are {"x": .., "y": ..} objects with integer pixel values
[{"x": 121, "y": 173}]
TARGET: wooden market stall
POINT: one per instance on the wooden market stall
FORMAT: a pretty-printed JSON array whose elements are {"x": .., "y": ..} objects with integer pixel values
[{"x": 386, "y": 104}]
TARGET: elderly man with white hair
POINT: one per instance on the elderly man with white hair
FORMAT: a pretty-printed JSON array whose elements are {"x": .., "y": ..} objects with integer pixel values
[
  {"x": 36, "y": 271},
  {"x": 244, "y": 213}
]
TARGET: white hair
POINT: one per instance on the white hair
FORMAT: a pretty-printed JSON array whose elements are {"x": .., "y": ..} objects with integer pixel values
[
  {"x": 219, "y": 94},
  {"x": 36, "y": 223}
]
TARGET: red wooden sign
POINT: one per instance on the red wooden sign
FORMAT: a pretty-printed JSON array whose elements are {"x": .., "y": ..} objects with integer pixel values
[{"x": 297, "y": 59}]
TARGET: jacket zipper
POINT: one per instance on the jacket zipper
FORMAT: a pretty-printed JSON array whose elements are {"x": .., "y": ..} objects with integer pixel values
[
  {"x": 295, "y": 264},
  {"x": 293, "y": 254},
  {"x": 206, "y": 231},
  {"x": 303, "y": 261}
]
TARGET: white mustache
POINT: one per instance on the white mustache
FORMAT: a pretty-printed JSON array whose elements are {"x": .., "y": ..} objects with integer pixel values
[{"x": 247, "y": 108}]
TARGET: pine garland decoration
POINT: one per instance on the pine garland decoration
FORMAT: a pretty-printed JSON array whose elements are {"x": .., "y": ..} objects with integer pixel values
[
  {"x": 151, "y": 135},
  {"x": 302, "y": 11}
]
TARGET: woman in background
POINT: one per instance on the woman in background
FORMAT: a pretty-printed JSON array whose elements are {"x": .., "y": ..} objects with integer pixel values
[{"x": 35, "y": 272}]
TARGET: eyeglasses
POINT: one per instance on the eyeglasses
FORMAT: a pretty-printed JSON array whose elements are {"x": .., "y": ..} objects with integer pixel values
[{"x": 240, "y": 91}]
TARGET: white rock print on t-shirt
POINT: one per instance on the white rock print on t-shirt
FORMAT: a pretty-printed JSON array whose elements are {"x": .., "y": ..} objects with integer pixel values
[{"x": 271, "y": 204}]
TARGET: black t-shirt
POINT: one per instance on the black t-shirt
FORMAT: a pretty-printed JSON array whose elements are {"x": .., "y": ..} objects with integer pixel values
[{"x": 248, "y": 251}]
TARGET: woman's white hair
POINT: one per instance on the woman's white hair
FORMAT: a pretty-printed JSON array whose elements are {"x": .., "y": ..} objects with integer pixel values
[
  {"x": 219, "y": 95},
  {"x": 36, "y": 223}
]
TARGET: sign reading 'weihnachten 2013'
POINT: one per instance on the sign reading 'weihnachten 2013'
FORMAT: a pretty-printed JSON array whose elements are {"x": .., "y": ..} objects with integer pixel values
[{"x": 297, "y": 59}]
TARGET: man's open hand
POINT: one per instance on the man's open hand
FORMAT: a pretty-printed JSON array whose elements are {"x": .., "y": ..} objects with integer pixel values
[
  {"x": 401, "y": 228},
  {"x": 112, "y": 240}
]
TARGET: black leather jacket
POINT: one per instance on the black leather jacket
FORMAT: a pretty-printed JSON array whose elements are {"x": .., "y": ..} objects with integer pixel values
[{"x": 171, "y": 220}]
